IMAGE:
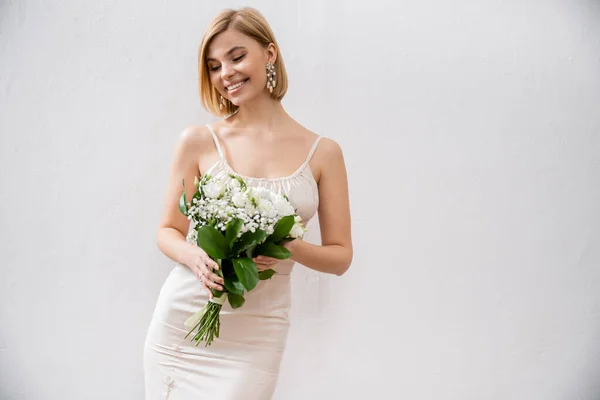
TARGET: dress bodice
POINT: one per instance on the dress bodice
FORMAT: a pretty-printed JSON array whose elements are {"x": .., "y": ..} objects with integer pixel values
[{"x": 300, "y": 187}]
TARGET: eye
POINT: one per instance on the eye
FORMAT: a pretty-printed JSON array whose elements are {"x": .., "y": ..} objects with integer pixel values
[
  {"x": 239, "y": 58},
  {"x": 214, "y": 68}
]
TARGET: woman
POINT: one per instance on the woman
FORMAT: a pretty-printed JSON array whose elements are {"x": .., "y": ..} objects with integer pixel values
[{"x": 242, "y": 79}]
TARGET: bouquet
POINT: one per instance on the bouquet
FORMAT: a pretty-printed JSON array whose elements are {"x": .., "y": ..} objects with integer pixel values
[{"x": 232, "y": 223}]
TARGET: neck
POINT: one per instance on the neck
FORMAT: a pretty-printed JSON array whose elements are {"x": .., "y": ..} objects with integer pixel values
[{"x": 263, "y": 114}]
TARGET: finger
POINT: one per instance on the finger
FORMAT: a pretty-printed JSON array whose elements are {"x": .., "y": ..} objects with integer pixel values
[
  {"x": 270, "y": 260},
  {"x": 210, "y": 263},
  {"x": 212, "y": 281},
  {"x": 212, "y": 277},
  {"x": 210, "y": 294},
  {"x": 261, "y": 267},
  {"x": 197, "y": 271},
  {"x": 208, "y": 268},
  {"x": 202, "y": 278},
  {"x": 205, "y": 283}
]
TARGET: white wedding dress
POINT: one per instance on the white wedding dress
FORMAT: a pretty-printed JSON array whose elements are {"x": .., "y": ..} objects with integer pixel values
[{"x": 243, "y": 363}]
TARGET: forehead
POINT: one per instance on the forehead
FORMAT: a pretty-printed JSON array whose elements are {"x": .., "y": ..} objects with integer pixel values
[{"x": 224, "y": 41}]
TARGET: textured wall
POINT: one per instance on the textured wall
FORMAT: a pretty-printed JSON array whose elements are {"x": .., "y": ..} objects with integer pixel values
[{"x": 477, "y": 278}]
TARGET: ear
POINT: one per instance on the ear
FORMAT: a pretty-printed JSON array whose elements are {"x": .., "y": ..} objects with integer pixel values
[{"x": 271, "y": 53}]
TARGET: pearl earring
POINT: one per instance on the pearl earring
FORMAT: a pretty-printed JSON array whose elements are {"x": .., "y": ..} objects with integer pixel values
[{"x": 271, "y": 82}]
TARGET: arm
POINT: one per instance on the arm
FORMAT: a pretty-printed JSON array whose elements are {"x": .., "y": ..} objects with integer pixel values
[
  {"x": 334, "y": 256},
  {"x": 173, "y": 226}
]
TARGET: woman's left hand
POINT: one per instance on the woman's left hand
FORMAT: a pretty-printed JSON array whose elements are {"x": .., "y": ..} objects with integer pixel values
[{"x": 263, "y": 262}]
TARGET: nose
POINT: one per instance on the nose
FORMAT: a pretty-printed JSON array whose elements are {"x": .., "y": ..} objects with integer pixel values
[{"x": 226, "y": 71}]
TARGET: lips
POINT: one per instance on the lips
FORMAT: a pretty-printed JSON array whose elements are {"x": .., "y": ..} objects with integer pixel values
[{"x": 236, "y": 85}]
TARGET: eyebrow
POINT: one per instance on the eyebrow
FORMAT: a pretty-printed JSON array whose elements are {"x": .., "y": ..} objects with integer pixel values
[{"x": 234, "y": 48}]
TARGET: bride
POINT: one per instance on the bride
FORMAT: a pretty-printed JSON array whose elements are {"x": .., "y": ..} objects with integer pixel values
[{"x": 242, "y": 80}]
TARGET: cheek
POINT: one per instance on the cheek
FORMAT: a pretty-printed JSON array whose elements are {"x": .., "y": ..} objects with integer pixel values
[
  {"x": 214, "y": 79},
  {"x": 251, "y": 69}
]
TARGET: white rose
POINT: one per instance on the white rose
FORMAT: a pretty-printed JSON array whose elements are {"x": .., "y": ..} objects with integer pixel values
[
  {"x": 262, "y": 192},
  {"x": 274, "y": 197},
  {"x": 239, "y": 199},
  {"x": 214, "y": 189},
  {"x": 283, "y": 207},
  {"x": 297, "y": 231},
  {"x": 265, "y": 207},
  {"x": 233, "y": 183}
]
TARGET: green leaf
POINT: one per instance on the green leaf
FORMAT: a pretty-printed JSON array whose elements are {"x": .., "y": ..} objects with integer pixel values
[
  {"x": 226, "y": 268},
  {"x": 183, "y": 204},
  {"x": 266, "y": 274},
  {"x": 282, "y": 229},
  {"x": 212, "y": 242},
  {"x": 246, "y": 271},
  {"x": 233, "y": 228},
  {"x": 233, "y": 284},
  {"x": 247, "y": 240},
  {"x": 235, "y": 300},
  {"x": 272, "y": 250},
  {"x": 238, "y": 178}
]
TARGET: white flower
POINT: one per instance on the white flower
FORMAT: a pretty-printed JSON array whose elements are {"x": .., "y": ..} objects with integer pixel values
[
  {"x": 274, "y": 197},
  {"x": 214, "y": 189},
  {"x": 266, "y": 209},
  {"x": 297, "y": 231},
  {"x": 249, "y": 209},
  {"x": 239, "y": 199},
  {"x": 253, "y": 195},
  {"x": 228, "y": 198},
  {"x": 283, "y": 207},
  {"x": 262, "y": 193},
  {"x": 233, "y": 183}
]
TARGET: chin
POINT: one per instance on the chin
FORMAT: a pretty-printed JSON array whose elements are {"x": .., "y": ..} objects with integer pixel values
[{"x": 241, "y": 100}]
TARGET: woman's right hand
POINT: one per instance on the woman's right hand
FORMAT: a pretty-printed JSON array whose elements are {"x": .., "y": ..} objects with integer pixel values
[{"x": 203, "y": 266}]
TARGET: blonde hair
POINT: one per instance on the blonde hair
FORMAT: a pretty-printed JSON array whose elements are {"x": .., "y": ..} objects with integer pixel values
[{"x": 251, "y": 23}]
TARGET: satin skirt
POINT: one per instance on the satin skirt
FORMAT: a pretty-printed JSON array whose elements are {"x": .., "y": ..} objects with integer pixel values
[{"x": 243, "y": 363}]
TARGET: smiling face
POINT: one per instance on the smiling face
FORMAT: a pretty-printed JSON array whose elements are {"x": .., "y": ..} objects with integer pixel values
[{"x": 237, "y": 64}]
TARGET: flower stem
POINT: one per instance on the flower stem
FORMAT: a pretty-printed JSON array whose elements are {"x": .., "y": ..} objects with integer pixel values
[{"x": 209, "y": 325}]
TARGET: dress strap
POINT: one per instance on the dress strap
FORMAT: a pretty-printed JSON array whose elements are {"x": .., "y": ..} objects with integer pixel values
[
  {"x": 312, "y": 150},
  {"x": 214, "y": 135}
]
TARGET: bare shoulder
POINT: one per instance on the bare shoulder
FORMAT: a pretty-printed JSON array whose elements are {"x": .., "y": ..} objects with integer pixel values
[
  {"x": 328, "y": 156},
  {"x": 195, "y": 137},
  {"x": 196, "y": 145},
  {"x": 329, "y": 148},
  {"x": 326, "y": 149}
]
